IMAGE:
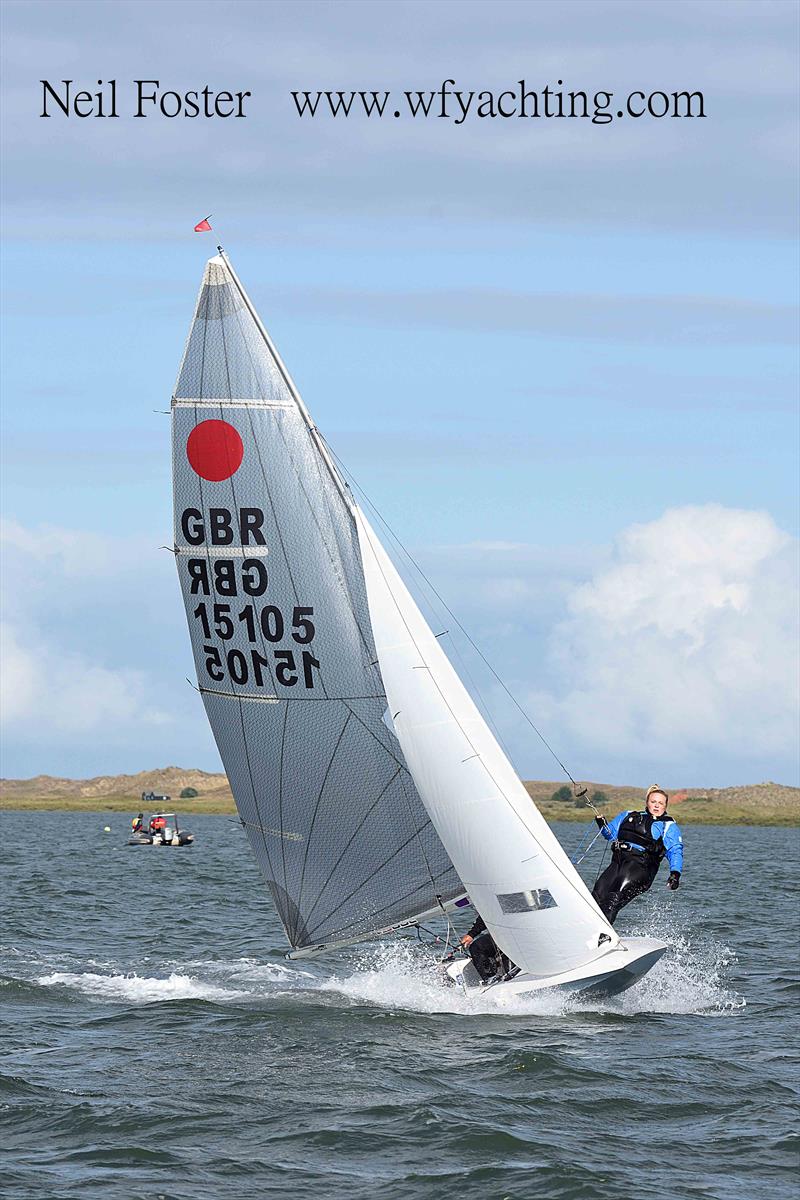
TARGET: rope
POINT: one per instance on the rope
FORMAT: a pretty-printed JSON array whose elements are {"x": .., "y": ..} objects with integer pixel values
[
  {"x": 596, "y": 811},
  {"x": 602, "y": 862},
  {"x": 433, "y": 938},
  {"x": 577, "y": 857}
]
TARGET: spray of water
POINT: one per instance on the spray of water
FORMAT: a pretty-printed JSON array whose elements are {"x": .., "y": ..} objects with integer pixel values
[
  {"x": 136, "y": 989},
  {"x": 689, "y": 979},
  {"x": 400, "y": 974}
]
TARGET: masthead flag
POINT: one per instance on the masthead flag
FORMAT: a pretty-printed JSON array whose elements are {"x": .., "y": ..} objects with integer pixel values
[{"x": 203, "y": 226}]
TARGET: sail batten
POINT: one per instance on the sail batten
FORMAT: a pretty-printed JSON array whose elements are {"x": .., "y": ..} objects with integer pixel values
[{"x": 269, "y": 562}]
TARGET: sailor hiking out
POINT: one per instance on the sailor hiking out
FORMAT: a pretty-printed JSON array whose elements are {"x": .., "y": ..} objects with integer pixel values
[{"x": 639, "y": 841}]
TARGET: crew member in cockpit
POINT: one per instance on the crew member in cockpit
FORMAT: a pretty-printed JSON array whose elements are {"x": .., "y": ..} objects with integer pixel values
[{"x": 488, "y": 959}]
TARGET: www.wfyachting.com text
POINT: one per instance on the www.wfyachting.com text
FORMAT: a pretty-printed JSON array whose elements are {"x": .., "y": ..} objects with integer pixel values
[{"x": 452, "y": 104}]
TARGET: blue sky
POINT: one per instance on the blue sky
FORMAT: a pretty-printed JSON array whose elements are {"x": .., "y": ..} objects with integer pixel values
[{"x": 560, "y": 357}]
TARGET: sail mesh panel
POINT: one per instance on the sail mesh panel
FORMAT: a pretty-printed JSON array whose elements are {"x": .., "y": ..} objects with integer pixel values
[{"x": 320, "y": 782}]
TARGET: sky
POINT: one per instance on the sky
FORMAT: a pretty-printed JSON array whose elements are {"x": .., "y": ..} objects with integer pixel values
[{"x": 559, "y": 356}]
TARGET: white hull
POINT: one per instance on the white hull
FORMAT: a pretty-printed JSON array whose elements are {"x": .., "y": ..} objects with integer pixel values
[{"x": 613, "y": 972}]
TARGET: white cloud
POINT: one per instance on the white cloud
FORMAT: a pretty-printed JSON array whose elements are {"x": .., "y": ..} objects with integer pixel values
[
  {"x": 685, "y": 644},
  {"x": 60, "y": 691},
  {"x": 68, "y": 551},
  {"x": 70, "y": 603}
]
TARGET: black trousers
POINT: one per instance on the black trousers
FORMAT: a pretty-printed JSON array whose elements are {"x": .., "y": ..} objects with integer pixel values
[
  {"x": 627, "y": 876},
  {"x": 488, "y": 960}
]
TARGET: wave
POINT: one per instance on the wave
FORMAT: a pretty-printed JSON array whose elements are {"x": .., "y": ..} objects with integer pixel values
[
  {"x": 138, "y": 989},
  {"x": 690, "y": 979},
  {"x": 254, "y": 971}
]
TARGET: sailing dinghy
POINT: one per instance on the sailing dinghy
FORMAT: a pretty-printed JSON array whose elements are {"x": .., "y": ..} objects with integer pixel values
[{"x": 371, "y": 789}]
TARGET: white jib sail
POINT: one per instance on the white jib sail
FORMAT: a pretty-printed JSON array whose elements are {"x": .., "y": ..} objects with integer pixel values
[{"x": 519, "y": 879}]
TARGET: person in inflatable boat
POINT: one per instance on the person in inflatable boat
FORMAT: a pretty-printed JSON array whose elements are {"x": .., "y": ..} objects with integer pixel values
[{"x": 639, "y": 841}]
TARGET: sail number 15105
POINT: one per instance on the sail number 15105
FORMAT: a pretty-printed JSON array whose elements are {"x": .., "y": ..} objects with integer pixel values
[{"x": 265, "y": 624}]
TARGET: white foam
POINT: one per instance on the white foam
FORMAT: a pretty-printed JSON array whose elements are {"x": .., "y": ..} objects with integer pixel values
[
  {"x": 253, "y": 970},
  {"x": 398, "y": 975},
  {"x": 137, "y": 989},
  {"x": 688, "y": 980}
]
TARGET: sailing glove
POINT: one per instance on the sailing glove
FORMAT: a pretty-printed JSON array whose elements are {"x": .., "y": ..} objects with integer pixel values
[
  {"x": 600, "y": 822},
  {"x": 674, "y": 880}
]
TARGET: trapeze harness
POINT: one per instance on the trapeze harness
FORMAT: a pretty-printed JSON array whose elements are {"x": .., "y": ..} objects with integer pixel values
[
  {"x": 636, "y": 834},
  {"x": 635, "y": 859}
]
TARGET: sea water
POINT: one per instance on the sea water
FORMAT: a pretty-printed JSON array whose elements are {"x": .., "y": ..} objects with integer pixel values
[{"x": 158, "y": 1045}]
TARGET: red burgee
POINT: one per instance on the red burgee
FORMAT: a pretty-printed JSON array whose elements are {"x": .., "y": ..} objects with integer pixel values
[{"x": 203, "y": 226}]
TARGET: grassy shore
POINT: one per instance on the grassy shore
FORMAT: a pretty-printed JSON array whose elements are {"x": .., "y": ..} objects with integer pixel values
[{"x": 757, "y": 804}]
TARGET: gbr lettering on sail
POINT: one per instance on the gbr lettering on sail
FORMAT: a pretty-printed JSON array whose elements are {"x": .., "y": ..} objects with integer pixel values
[{"x": 246, "y": 639}]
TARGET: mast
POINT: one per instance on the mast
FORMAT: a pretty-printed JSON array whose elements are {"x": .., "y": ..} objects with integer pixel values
[{"x": 341, "y": 486}]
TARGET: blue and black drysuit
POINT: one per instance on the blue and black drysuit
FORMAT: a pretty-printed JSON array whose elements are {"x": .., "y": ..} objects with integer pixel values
[{"x": 638, "y": 844}]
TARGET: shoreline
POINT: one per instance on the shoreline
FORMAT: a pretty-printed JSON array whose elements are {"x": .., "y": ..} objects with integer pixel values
[
  {"x": 766, "y": 803},
  {"x": 688, "y": 812}
]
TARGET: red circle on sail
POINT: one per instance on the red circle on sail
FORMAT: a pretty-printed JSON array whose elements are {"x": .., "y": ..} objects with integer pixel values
[{"x": 215, "y": 450}]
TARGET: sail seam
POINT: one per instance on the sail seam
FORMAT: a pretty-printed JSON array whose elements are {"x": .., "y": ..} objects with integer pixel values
[
  {"x": 253, "y": 789},
  {"x": 349, "y": 846},
  {"x": 225, "y": 551},
  {"x": 280, "y": 795},
  {"x": 411, "y": 815},
  {"x": 316, "y": 809},
  {"x": 363, "y": 884},
  {"x": 399, "y": 899},
  {"x": 279, "y": 833},
  {"x": 222, "y": 402},
  {"x": 276, "y": 699},
  {"x": 410, "y": 811},
  {"x": 387, "y": 749}
]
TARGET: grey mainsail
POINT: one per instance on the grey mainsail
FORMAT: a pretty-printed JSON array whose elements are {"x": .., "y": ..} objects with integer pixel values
[{"x": 270, "y": 568}]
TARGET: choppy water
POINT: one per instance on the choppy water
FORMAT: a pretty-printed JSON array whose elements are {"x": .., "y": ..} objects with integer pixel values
[{"x": 157, "y": 1044}]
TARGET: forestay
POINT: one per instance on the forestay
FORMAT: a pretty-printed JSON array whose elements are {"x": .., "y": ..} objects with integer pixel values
[
  {"x": 270, "y": 568},
  {"x": 518, "y": 877}
]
